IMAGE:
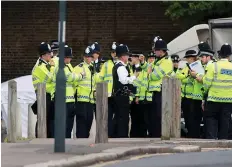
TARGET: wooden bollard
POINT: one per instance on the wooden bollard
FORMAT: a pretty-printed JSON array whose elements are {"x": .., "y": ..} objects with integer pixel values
[
  {"x": 12, "y": 107},
  {"x": 18, "y": 120},
  {"x": 41, "y": 108},
  {"x": 102, "y": 113},
  {"x": 74, "y": 128},
  {"x": 171, "y": 108},
  {"x": 166, "y": 108},
  {"x": 176, "y": 109},
  {"x": 31, "y": 122}
]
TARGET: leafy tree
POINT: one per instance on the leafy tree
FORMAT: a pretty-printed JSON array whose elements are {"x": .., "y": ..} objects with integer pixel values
[{"x": 189, "y": 13}]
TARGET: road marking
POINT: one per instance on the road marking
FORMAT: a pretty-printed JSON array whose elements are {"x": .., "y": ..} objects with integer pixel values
[
  {"x": 134, "y": 158},
  {"x": 101, "y": 164},
  {"x": 215, "y": 149},
  {"x": 147, "y": 155}
]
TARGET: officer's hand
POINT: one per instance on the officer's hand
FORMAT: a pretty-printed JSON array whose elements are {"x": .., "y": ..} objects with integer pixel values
[
  {"x": 137, "y": 100},
  {"x": 142, "y": 58},
  {"x": 193, "y": 73},
  {"x": 52, "y": 63},
  {"x": 149, "y": 70},
  {"x": 199, "y": 79}
]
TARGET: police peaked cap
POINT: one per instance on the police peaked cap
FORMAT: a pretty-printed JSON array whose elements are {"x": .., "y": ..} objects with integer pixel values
[
  {"x": 160, "y": 45},
  {"x": 54, "y": 44},
  {"x": 114, "y": 46},
  {"x": 95, "y": 47},
  {"x": 225, "y": 50},
  {"x": 175, "y": 58},
  {"x": 151, "y": 54},
  {"x": 122, "y": 50},
  {"x": 190, "y": 53},
  {"x": 204, "y": 49},
  {"x": 88, "y": 52},
  {"x": 135, "y": 54},
  {"x": 44, "y": 48},
  {"x": 67, "y": 51}
]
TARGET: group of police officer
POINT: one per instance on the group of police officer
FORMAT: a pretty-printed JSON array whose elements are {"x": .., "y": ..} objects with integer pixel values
[{"x": 134, "y": 89}]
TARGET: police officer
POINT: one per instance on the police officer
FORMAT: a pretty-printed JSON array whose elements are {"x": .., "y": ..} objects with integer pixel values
[
  {"x": 206, "y": 57},
  {"x": 96, "y": 56},
  {"x": 106, "y": 75},
  {"x": 162, "y": 67},
  {"x": 85, "y": 100},
  {"x": 143, "y": 100},
  {"x": 43, "y": 73},
  {"x": 218, "y": 82},
  {"x": 196, "y": 109},
  {"x": 137, "y": 117},
  {"x": 175, "y": 60},
  {"x": 71, "y": 80},
  {"x": 122, "y": 82},
  {"x": 55, "y": 50},
  {"x": 187, "y": 88}
]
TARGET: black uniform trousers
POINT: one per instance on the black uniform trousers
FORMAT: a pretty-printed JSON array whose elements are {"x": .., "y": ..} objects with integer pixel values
[
  {"x": 146, "y": 108},
  {"x": 196, "y": 119},
  {"x": 121, "y": 118},
  {"x": 84, "y": 119},
  {"x": 155, "y": 115},
  {"x": 137, "y": 120},
  {"x": 50, "y": 116},
  {"x": 217, "y": 118},
  {"x": 70, "y": 115},
  {"x": 111, "y": 120},
  {"x": 192, "y": 115}
]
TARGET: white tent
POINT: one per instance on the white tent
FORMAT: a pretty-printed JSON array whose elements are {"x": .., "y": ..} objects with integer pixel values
[
  {"x": 189, "y": 40},
  {"x": 25, "y": 96}
]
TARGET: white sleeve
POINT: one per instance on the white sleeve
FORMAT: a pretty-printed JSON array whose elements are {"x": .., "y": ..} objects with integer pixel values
[{"x": 122, "y": 76}]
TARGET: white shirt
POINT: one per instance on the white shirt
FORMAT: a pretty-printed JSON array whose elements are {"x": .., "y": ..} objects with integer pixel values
[
  {"x": 122, "y": 75},
  {"x": 96, "y": 61},
  {"x": 137, "y": 65}
]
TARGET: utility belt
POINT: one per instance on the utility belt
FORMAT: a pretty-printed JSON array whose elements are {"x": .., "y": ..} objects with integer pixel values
[
  {"x": 124, "y": 91},
  {"x": 144, "y": 101}
]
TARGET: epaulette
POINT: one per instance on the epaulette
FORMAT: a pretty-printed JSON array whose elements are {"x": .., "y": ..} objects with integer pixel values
[
  {"x": 48, "y": 66},
  {"x": 80, "y": 65},
  {"x": 40, "y": 62}
]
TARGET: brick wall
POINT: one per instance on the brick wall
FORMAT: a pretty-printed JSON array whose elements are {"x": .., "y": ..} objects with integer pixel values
[{"x": 26, "y": 24}]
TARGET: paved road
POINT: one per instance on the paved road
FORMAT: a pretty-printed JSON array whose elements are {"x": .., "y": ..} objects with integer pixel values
[{"x": 202, "y": 159}]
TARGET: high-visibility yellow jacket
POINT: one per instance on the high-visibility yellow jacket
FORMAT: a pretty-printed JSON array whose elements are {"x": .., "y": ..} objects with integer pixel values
[
  {"x": 86, "y": 87},
  {"x": 218, "y": 81},
  {"x": 106, "y": 75},
  {"x": 197, "y": 90},
  {"x": 187, "y": 82},
  {"x": 43, "y": 73},
  {"x": 56, "y": 60},
  {"x": 142, "y": 87},
  {"x": 206, "y": 66},
  {"x": 161, "y": 68},
  {"x": 71, "y": 80}
]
